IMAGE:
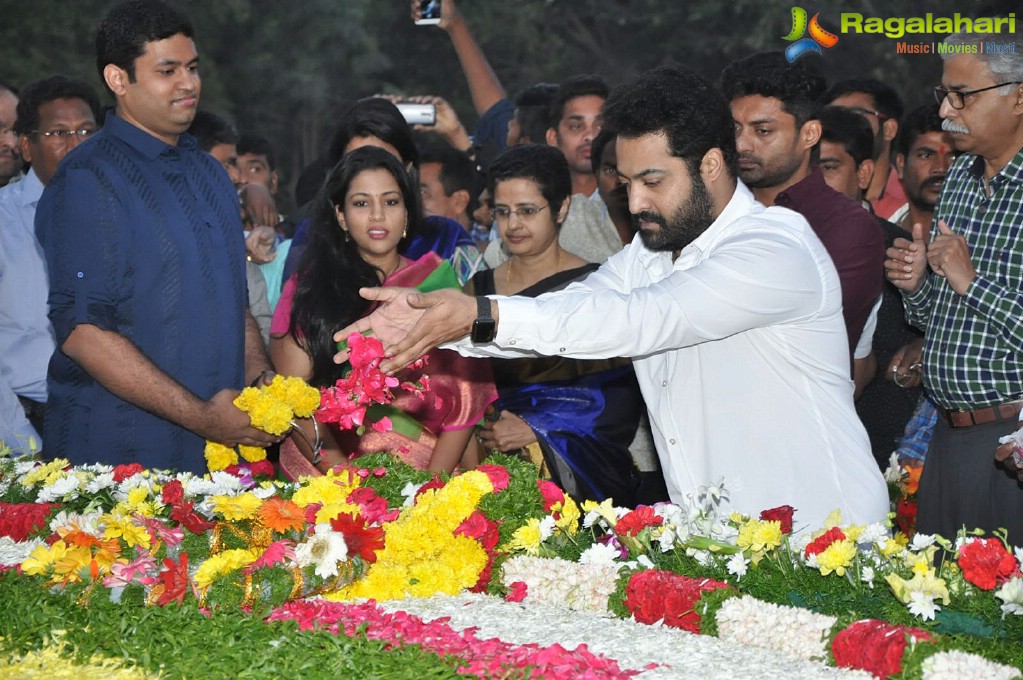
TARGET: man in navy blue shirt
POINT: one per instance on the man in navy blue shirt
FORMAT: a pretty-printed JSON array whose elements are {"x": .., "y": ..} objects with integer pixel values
[{"x": 146, "y": 261}]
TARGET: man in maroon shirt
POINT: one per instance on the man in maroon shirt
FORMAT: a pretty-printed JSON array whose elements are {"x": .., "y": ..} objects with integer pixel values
[{"x": 772, "y": 105}]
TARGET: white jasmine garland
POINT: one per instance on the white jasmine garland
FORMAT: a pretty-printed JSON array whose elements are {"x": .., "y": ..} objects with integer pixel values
[
  {"x": 794, "y": 632},
  {"x": 1011, "y": 594},
  {"x": 558, "y": 582},
  {"x": 955, "y": 665},
  {"x": 324, "y": 549}
]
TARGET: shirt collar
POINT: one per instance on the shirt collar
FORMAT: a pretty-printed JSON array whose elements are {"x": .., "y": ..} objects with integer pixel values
[
  {"x": 150, "y": 146},
  {"x": 1012, "y": 172},
  {"x": 31, "y": 189},
  {"x": 807, "y": 189}
]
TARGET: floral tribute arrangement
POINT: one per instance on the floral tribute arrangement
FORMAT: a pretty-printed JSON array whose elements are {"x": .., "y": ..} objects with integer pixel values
[{"x": 103, "y": 537}]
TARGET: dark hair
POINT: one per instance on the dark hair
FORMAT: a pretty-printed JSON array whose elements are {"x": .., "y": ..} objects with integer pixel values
[
  {"x": 49, "y": 89},
  {"x": 373, "y": 117},
  {"x": 604, "y": 138},
  {"x": 569, "y": 89},
  {"x": 258, "y": 145},
  {"x": 886, "y": 99},
  {"x": 540, "y": 163},
  {"x": 681, "y": 104},
  {"x": 851, "y": 130},
  {"x": 798, "y": 86},
  {"x": 532, "y": 109},
  {"x": 125, "y": 30},
  {"x": 457, "y": 171},
  {"x": 918, "y": 121},
  {"x": 331, "y": 271},
  {"x": 209, "y": 129}
]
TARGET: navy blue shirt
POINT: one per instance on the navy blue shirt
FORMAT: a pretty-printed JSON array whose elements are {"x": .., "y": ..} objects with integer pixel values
[{"x": 143, "y": 239}]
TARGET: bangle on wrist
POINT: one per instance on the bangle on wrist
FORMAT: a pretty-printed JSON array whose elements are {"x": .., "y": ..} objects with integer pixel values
[{"x": 317, "y": 445}]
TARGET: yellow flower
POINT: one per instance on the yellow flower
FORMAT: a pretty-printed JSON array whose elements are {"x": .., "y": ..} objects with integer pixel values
[
  {"x": 853, "y": 531},
  {"x": 243, "y": 506},
  {"x": 331, "y": 510},
  {"x": 41, "y": 558},
  {"x": 69, "y": 567},
  {"x": 271, "y": 416},
  {"x": 836, "y": 557},
  {"x": 926, "y": 583},
  {"x": 569, "y": 519},
  {"x": 605, "y": 509},
  {"x": 221, "y": 564},
  {"x": 44, "y": 471},
  {"x": 302, "y": 398},
  {"x": 219, "y": 457},
  {"x": 124, "y": 528},
  {"x": 759, "y": 536},
  {"x": 527, "y": 537},
  {"x": 330, "y": 488},
  {"x": 252, "y": 453},
  {"x": 833, "y": 519}
]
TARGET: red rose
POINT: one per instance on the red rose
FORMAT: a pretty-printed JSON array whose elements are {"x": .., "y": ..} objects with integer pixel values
[
  {"x": 123, "y": 472},
  {"x": 656, "y": 595},
  {"x": 637, "y": 520},
  {"x": 783, "y": 514},
  {"x": 986, "y": 563},
  {"x": 173, "y": 492}
]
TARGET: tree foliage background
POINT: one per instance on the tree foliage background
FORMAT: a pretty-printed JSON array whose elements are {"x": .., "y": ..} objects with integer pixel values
[{"x": 287, "y": 69}]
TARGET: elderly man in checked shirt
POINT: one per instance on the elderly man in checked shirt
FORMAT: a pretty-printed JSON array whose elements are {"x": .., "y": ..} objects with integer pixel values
[{"x": 964, "y": 286}]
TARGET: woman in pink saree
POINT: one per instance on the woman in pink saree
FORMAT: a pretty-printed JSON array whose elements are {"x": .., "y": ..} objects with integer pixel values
[{"x": 367, "y": 208}]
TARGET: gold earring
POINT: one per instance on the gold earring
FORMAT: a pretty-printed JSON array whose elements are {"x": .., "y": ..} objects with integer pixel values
[{"x": 404, "y": 232}]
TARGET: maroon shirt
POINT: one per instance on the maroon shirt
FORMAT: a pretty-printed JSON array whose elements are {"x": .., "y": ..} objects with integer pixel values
[{"x": 853, "y": 240}]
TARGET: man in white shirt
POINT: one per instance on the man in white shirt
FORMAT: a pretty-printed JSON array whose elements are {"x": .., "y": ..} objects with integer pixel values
[{"x": 730, "y": 310}]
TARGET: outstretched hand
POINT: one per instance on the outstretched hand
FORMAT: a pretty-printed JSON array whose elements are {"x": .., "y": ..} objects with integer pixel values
[{"x": 410, "y": 324}]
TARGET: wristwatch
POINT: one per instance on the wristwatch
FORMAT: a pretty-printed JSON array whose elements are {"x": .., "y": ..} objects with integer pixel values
[{"x": 484, "y": 328}]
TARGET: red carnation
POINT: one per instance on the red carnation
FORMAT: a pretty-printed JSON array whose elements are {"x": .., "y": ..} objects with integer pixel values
[
  {"x": 123, "y": 472},
  {"x": 637, "y": 520},
  {"x": 986, "y": 563},
  {"x": 783, "y": 514},
  {"x": 874, "y": 646},
  {"x": 498, "y": 475},
  {"x": 173, "y": 492},
  {"x": 551, "y": 493},
  {"x": 484, "y": 530},
  {"x": 21, "y": 520},
  {"x": 656, "y": 595},
  {"x": 821, "y": 543}
]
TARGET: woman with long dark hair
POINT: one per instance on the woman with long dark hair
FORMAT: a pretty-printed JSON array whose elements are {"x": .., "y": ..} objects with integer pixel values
[{"x": 366, "y": 211}]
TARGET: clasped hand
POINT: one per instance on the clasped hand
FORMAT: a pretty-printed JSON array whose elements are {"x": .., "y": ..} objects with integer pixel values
[{"x": 948, "y": 256}]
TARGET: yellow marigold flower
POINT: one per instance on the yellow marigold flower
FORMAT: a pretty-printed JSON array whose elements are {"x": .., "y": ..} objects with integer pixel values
[
  {"x": 331, "y": 510},
  {"x": 294, "y": 392},
  {"x": 124, "y": 528},
  {"x": 219, "y": 457},
  {"x": 836, "y": 557},
  {"x": 527, "y": 538},
  {"x": 252, "y": 453},
  {"x": 271, "y": 416},
  {"x": 243, "y": 506},
  {"x": 330, "y": 488},
  {"x": 759, "y": 536},
  {"x": 247, "y": 398}
]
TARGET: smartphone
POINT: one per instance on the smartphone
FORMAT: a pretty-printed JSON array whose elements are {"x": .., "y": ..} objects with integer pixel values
[
  {"x": 419, "y": 114},
  {"x": 429, "y": 13}
]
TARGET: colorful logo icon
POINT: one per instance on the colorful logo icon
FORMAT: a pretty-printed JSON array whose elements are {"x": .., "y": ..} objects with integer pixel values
[{"x": 817, "y": 39}]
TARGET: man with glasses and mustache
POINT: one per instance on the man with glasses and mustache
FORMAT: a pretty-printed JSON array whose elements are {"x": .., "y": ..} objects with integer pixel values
[
  {"x": 731, "y": 312},
  {"x": 962, "y": 281},
  {"x": 54, "y": 116},
  {"x": 10, "y": 159}
]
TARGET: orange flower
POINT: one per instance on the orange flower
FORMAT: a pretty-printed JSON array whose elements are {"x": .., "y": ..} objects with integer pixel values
[{"x": 280, "y": 514}]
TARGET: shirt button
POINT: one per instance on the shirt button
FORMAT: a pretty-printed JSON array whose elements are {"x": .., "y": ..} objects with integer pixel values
[
  {"x": 664, "y": 383},
  {"x": 561, "y": 349},
  {"x": 671, "y": 441},
  {"x": 81, "y": 275},
  {"x": 511, "y": 342}
]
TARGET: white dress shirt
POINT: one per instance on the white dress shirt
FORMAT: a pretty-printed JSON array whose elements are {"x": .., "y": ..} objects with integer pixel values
[
  {"x": 741, "y": 354},
  {"x": 26, "y": 337}
]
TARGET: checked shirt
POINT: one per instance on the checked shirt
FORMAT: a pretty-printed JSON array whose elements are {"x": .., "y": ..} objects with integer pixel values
[{"x": 973, "y": 353}]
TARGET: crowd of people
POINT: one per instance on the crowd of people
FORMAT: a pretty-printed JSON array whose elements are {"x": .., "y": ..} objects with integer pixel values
[{"x": 762, "y": 278}]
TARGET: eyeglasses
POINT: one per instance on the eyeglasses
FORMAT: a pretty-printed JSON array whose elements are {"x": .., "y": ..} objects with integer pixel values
[
  {"x": 65, "y": 135},
  {"x": 525, "y": 213},
  {"x": 869, "y": 112},
  {"x": 957, "y": 99}
]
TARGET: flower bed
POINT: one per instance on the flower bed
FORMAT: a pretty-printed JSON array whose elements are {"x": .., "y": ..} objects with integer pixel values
[{"x": 224, "y": 553}]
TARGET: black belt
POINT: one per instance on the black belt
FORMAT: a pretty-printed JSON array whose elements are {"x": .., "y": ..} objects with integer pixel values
[{"x": 33, "y": 409}]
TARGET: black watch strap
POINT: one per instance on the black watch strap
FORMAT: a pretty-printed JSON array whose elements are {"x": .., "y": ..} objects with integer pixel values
[{"x": 483, "y": 328}]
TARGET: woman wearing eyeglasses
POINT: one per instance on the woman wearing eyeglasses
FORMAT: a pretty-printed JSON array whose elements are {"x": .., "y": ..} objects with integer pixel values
[{"x": 577, "y": 417}]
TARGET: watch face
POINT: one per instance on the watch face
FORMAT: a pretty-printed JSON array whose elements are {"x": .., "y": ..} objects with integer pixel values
[{"x": 483, "y": 330}]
